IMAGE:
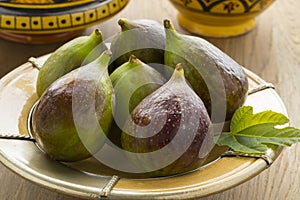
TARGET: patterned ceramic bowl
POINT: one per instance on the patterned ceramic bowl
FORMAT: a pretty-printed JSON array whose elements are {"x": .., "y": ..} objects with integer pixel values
[
  {"x": 219, "y": 18},
  {"x": 44, "y": 21}
]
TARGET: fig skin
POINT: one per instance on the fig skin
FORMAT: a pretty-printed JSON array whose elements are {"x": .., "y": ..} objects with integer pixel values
[
  {"x": 209, "y": 65},
  {"x": 143, "y": 38},
  {"x": 133, "y": 78},
  {"x": 71, "y": 55},
  {"x": 53, "y": 122},
  {"x": 174, "y": 107}
]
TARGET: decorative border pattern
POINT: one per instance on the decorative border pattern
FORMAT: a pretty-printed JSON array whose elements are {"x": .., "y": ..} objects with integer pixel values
[
  {"x": 63, "y": 21},
  {"x": 44, "y": 4},
  {"x": 226, "y": 6}
]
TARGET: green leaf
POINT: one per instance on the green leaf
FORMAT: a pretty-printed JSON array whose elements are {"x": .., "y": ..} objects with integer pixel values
[
  {"x": 241, "y": 145},
  {"x": 253, "y": 133},
  {"x": 244, "y": 118},
  {"x": 241, "y": 118},
  {"x": 268, "y": 134}
]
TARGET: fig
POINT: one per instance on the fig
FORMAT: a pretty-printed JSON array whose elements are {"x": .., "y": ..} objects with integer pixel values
[
  {"x": 74, "y": 114},
  {"x": 68, "y": 57},
  {"x": 132, "y": 82},
  {"x": 218, "y": 80},
  {"x": 169, "y": 131},
  {"x": 143, "y": 38}
]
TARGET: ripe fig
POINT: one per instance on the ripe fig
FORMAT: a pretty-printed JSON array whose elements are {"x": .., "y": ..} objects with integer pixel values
[
  {"x": 213, "y": 75},
  {"x": 169, "y": 131},
  {"x": 69, "y": 56},
  {"x": 73, "y": 115},
  {"x": 143, "y": 38},
  {"x": 132, "y": 82}
]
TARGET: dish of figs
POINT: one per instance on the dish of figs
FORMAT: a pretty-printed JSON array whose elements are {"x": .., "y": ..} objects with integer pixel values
[{"x": 152, "y": 113}]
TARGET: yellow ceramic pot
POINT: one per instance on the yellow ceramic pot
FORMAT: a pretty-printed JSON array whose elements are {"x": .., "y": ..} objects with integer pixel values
[
  {"x": 219, "y": 18},
  {"x": 45, "y": 21}
]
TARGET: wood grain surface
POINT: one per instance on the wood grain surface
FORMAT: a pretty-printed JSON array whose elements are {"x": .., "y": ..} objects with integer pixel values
[{"x": 271, "y": 50}]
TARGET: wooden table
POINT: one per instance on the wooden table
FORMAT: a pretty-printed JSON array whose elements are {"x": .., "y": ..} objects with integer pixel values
[{"x": 271, "y": 50}]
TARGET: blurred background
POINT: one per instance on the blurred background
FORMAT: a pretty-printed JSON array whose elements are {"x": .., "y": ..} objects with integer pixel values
[{"x": 271, "y": 50}]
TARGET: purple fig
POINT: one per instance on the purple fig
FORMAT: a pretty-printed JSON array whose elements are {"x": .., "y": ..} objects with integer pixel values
[
  {"x": 143, "y": 38},
  {"x": 218, "y": 80},
  {"x": 169, "y": 131},
  {"x": 62, "y": 121}
]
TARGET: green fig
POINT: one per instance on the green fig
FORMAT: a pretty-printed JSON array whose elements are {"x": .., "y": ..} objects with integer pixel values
[
  {"x": 143, "y": 38},
  {"x": 169, "y": 131},
  {"x": 132, "y": 82},
  {"x": 68, "y": 57},
  {"x": 74, "y": 114},
  {"x": 218, "y": 80}
]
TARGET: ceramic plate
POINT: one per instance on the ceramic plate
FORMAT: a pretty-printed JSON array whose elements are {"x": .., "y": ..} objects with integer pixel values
[{"x": 17, "y": 96}]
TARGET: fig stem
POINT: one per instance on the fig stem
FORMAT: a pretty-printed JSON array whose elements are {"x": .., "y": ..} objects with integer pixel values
[
  {"x": 125, "y": 24},
  {"x": 134, "y": 60},
  {"x": 104, "y": 58},
  {"x": 179, "y": 69},
  {"x": 168, "y": 24},
  {"x": 96, "y": 34},
  {"x": 178, "y": 73},
  {"x": 169, "y": 29},
  {"x": 121, "y": 22}
]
